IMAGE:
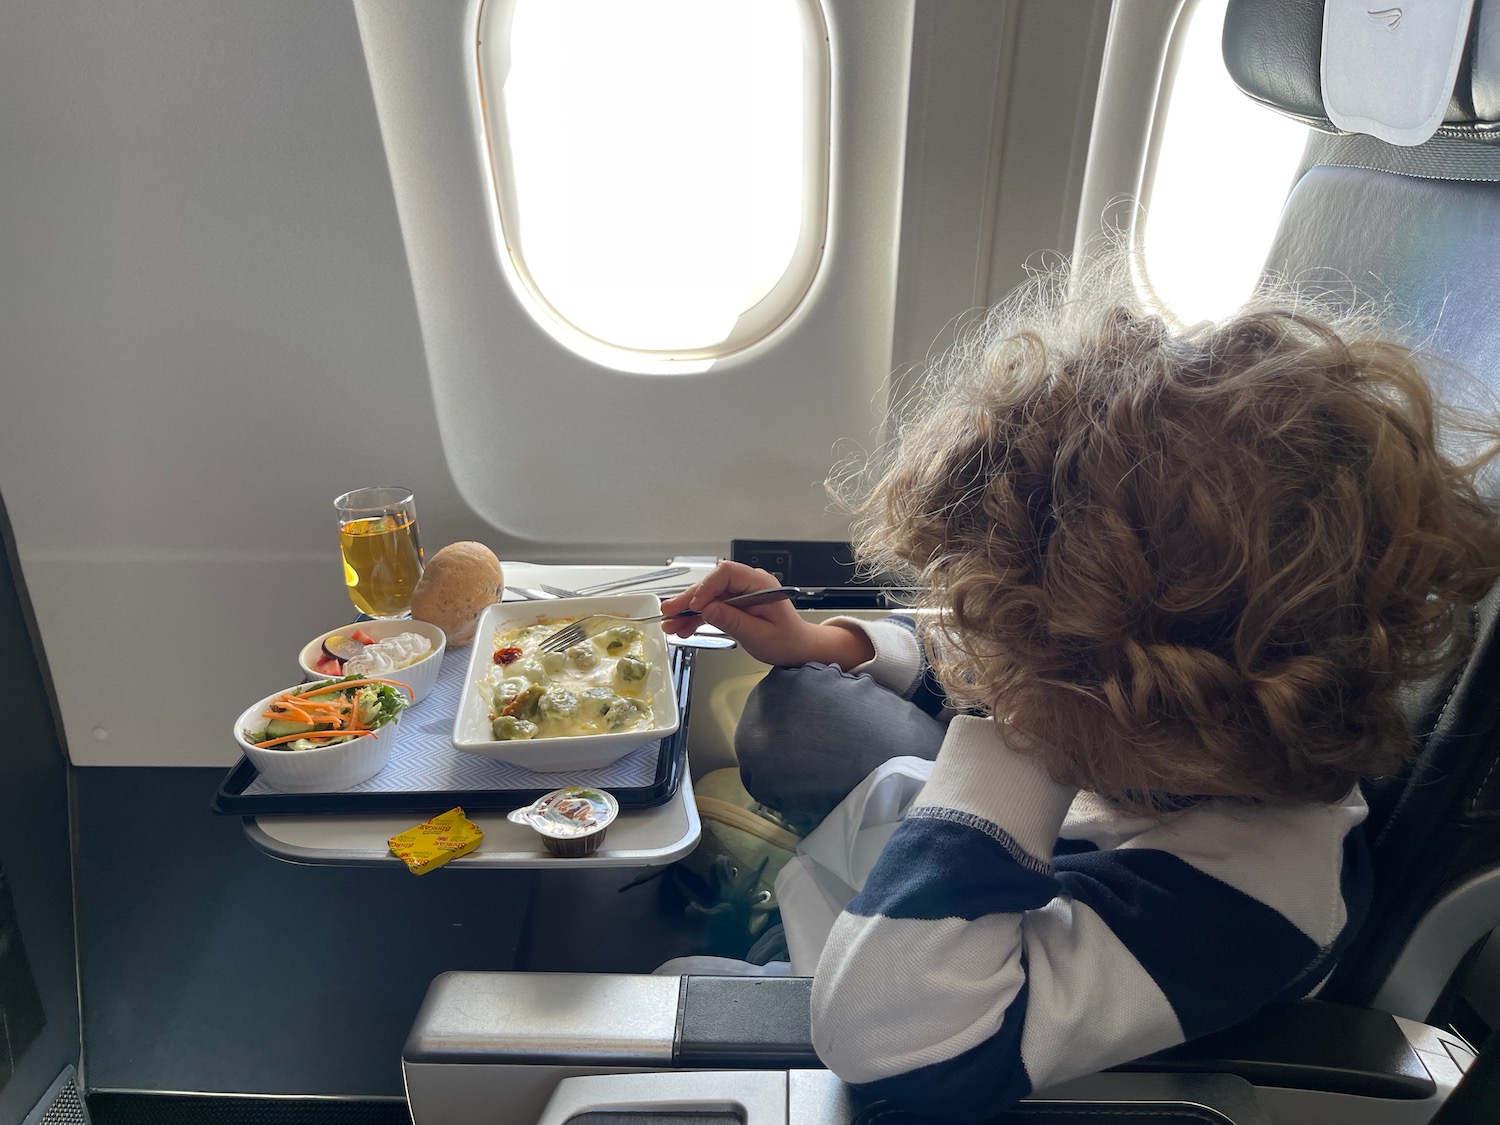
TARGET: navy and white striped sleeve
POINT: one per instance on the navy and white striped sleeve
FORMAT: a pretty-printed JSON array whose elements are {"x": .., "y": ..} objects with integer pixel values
[{"x": 972, "y": 968}]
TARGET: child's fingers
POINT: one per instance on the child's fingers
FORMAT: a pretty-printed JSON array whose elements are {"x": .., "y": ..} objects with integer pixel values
[
  {"x": 726, "y": 580},
  {"x": 709, "y": 588},
  {"x": 718, "y": 583},
  {"x": 760, "y": 623},
  {"x": 706, "y": 596},
  {"x": 682, "y": 626},
  {"x": 678, "y": 602}
]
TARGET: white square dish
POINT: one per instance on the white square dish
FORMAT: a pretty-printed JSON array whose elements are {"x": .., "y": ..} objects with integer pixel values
[{"x": 471, "y": 724}]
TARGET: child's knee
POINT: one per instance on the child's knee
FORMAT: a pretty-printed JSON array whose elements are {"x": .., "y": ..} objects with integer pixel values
[
  {"x": 808, "y": 735},
  {"x": 784, "y": 719}
]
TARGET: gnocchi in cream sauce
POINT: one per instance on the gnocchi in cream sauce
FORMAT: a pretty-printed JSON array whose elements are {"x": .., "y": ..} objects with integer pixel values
[{"x": 595, "y": 687}]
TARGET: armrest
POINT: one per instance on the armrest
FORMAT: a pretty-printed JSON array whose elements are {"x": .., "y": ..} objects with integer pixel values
[
  {"x": 752, "y": 1022},
  {"x": 745, "y": 1022},
  {"x": 1307, "y": 1045},
  {"x": 761, "y": 1023}
]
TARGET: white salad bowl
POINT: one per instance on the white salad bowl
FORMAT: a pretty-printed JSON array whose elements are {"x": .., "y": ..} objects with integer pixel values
[
  {"x": 419, "y": 676},
  {"x": 471, "y": 726},
  {"x": 322, "y": 768}
]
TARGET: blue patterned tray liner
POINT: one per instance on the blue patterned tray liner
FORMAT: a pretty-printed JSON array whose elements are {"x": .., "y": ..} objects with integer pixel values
[{"x": 424, "y": 758}]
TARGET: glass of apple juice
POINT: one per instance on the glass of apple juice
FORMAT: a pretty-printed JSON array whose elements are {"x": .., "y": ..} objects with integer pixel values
[{"x": 382, "y": 554}]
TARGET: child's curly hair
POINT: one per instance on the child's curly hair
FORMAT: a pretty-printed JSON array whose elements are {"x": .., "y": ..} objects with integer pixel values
[{"x": 1190, "y": 562}]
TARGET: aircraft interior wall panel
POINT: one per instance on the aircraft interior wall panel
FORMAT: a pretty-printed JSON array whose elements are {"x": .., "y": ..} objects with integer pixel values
[
  {"x": 1139, "y": 40},
  {"x": 217, "y": 969},
  {"x": 1046, "y": 136},
  {"x": 690, "y": 460},
  {"x": 961, "y": 65},
  {"x": 209, "y": 331},
  {"x": 1002, "y": 101},
  {"x": 217, "y": 317},
  {"x": 39, "y": 1029}
]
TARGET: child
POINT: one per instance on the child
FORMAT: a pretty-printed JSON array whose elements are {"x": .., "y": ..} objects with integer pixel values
[{"x": 1176, "y": 578}]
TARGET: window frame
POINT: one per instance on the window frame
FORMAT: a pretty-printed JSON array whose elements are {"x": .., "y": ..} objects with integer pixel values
[
  {"x": 756, "y": 324},
  {"x": 1176, "y": 47}
]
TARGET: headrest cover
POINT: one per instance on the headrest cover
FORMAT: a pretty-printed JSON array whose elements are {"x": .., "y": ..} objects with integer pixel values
[
  {"x": 1273, "y": 50},
  {"x": 1389, "y": 72}
]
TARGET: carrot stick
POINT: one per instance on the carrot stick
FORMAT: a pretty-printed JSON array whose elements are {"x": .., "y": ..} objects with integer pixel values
[
  {"x": 316, "y": 734},
  {"x": 280, "y": 710},
  {"x": 339, "y": 714}
]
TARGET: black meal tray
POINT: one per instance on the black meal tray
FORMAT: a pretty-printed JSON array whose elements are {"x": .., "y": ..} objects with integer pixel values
[{"x": 232, "y": 800}]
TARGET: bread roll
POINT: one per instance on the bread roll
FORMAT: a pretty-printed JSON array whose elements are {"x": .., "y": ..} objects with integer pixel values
[{"x": 456, "y": 585}]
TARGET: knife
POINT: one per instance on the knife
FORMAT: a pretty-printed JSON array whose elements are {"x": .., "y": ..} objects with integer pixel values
[{"x": 618, "y": 584}]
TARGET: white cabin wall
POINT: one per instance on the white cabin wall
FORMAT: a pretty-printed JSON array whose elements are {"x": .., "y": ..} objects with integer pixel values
[
  {"x": 208, "y": 332},
  {"x": 210, "y": 322}
]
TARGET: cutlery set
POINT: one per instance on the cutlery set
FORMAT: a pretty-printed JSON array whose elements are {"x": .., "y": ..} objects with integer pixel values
[{"x": 544, "y": 592}]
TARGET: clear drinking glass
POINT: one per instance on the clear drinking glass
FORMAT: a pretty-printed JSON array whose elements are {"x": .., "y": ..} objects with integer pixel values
[{"x": 382, "y": 554}]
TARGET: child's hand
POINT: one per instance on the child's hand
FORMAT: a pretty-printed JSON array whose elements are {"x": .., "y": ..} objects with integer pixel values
[{"x": 773, "y": 633}]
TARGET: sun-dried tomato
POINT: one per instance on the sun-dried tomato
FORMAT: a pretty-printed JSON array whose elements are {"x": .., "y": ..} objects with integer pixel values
[{"x": 507, "y": 655}]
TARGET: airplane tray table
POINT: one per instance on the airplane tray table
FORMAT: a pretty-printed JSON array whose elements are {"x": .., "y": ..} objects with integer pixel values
[
  {"x": 658, "y": 821},
  {"x": 426, "y": 769},
  {"x": 650, "y": 837}
]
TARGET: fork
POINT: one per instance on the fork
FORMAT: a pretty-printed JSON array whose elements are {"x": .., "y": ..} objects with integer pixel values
[{"x": 586, "y": 627}]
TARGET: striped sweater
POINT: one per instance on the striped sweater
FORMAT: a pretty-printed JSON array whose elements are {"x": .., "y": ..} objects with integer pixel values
[{"x": 1014, "y": 932}]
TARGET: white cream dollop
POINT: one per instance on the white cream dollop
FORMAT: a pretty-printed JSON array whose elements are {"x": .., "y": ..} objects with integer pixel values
[{"x": 388, "y": 655}]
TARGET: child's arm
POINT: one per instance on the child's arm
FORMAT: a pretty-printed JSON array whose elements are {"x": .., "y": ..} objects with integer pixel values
[
  {"x": 971, "y": 969},
  {"x": 899, "y": 663}
]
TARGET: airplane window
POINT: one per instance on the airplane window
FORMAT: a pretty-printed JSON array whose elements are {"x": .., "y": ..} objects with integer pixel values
[
  {"x": 1222, "y": 170},
  {"x": 660, "y": 168}
]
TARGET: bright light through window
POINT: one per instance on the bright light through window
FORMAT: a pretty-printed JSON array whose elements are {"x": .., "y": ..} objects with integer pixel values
[
  {"x": 653, "y": 163},
  {"x": 1222, "y": 173}
]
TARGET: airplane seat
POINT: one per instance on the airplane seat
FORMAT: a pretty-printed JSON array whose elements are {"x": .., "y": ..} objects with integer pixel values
[
  {"x": 1415, "y": 230},
  {"x": 1413, "y": 227}
]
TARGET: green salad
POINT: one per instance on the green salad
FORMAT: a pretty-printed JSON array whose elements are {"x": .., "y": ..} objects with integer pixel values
[{"x": 327, "y": 713}]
